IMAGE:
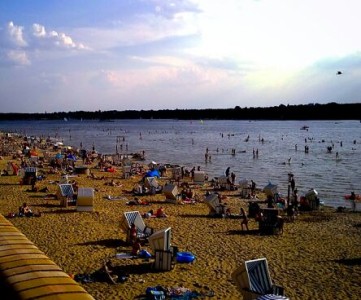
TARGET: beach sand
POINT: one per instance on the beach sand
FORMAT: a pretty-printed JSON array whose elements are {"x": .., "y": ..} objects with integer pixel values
[{"x": 317, "y": 257}]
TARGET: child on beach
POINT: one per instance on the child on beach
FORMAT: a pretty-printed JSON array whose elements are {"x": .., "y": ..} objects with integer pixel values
[{"x": 245, "y": 219}]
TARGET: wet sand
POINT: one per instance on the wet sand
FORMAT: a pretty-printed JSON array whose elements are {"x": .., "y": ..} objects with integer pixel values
[{"x": 317, "y": 257}]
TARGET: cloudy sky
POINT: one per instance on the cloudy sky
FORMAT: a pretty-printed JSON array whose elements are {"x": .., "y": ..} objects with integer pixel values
[{"x": 72, "y": 55}]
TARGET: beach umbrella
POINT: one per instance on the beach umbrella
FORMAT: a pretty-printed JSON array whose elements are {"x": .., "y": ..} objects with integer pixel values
[
  {"x": 71, "y": 157},
  {"x": 153, "y": 173}
]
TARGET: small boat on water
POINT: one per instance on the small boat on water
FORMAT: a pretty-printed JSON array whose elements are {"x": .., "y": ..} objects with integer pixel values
[{"x": 305, "y": 127}]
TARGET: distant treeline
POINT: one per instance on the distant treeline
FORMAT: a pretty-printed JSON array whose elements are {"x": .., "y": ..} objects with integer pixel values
[{"x": 330, "y": 111}]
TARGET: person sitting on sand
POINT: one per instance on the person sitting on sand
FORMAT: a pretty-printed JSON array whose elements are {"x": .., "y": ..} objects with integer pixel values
[
  {"x": 187, "y": 193},
  {"x": 136, "y": 247},
  {"x": 228, "y": 212},
  {"x": 75, "y": 186},
  {"x": 160, "y": 213},
  {"x": 25, "y": 210},
  {"x": 133, "y": 233},
  {"x": 53, "y": 170}
]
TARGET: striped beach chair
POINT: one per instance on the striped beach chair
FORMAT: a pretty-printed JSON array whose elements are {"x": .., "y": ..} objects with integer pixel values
[
  {"x": 134, "y": 217},
  {"x": 254, "y": 280}
]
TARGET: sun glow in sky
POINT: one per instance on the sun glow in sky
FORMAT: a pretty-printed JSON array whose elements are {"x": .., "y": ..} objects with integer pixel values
[{"x": 154, "y": 54}]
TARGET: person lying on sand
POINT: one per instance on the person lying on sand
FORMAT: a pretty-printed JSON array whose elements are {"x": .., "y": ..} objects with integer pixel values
[
  {"x": 137, "y": 201},
  {"x": 160, "y": 213},
  {"x": 113, "y": 183},
  {"x": 26, "y": 211},
  {"x": 93, "y": 176}
]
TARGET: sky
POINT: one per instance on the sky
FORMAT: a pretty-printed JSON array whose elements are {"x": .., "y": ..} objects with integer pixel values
[{"x": 74, "y": 55}]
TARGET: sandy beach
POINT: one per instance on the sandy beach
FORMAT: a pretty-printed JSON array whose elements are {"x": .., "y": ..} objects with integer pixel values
[{"x": 318, "y": 256}]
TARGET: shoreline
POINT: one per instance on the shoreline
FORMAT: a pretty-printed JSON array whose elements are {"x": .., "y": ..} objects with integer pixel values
[{"x": 317, "y": 257}]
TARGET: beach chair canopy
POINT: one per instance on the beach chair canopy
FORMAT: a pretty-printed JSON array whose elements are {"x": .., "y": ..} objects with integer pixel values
[
  {"x": 253, "y": 279},
  {"x": 66, "y": 190},
  {"x": 170, "y": 191},
  {"x": 212, "y": 201},
  {"x": 150, "y": 182},
  {"x": 160, "y": 240}
]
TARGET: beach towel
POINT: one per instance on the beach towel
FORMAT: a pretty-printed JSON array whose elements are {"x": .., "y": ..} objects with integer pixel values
[
  {"x": 108, "y": 197},
  {"x": 124, "y": 256}
]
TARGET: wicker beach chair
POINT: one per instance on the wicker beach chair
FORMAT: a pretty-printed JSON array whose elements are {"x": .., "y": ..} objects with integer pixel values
[
  {"x": 253, "y": 280},
  {"x": 164, "y": 253},
  {"x": 134, "y": 217},
  {"x": 65, "y": 194},
  {"x": 214, "y": 205}
]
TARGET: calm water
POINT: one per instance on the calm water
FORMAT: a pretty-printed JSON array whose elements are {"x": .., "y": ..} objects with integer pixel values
[{"x": 185, "y": 143}]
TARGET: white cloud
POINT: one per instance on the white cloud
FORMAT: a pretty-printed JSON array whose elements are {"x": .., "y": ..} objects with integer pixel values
[
  {"x": 15, "y": 34},
  {"x": 18, "y": 57},
  {"x": 188, "y": 53},
  {"x": 19, "y": 45},
  {"x": 54, "y": 38},
  {"x": 142, "y": 29},
  {"x": 39, "y": 30}
]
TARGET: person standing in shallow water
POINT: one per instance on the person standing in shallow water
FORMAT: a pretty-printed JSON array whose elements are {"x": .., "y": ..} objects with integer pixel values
[
  {"x": 253, "y": 187},
  {"x": 227, "y": 171},
  {"x": 293, "y": 184},
  {"x": 233, "y": 178}
]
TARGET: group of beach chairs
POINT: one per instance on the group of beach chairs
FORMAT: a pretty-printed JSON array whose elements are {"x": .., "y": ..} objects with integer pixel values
[{"x": 252, "y": 277}]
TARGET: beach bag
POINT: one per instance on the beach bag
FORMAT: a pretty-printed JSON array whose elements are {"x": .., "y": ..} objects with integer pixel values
[{"x": 144, "y": 254}]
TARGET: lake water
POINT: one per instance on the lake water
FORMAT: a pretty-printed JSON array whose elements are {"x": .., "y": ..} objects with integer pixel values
[{"x": 185, "y": 143}]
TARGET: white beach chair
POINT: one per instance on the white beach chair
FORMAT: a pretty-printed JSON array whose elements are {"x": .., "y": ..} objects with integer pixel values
[
  {"x": 160, "y": 243},
  {"x": 253, "y": 280},
  {"x": 160, "y": 240},
  {"x": 171, "y": 193},
  {"x": 199, "y": 177},
  {"x": 214, "y": 205},
  {"x": 85, "y": 199}
]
